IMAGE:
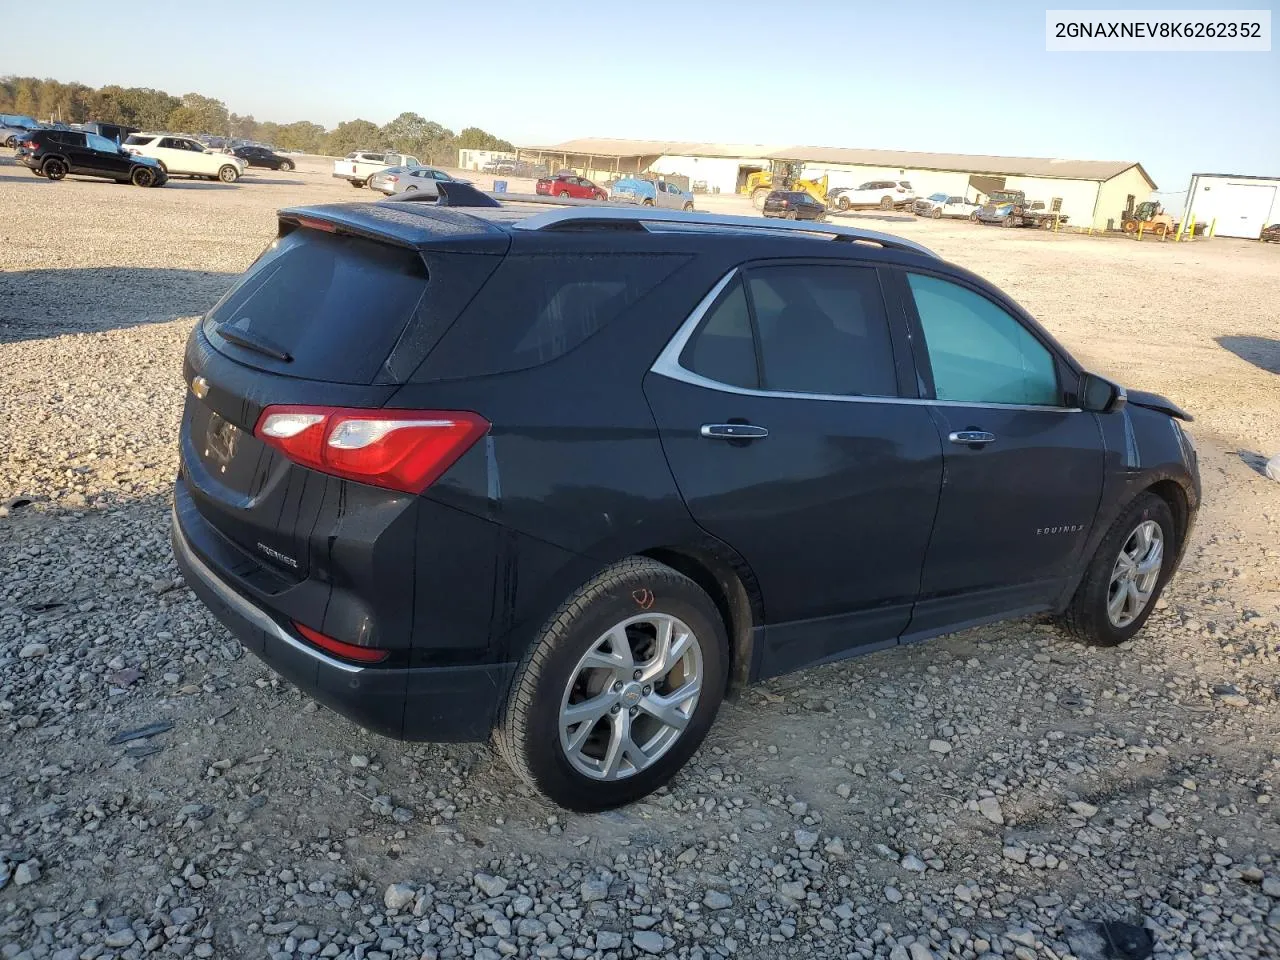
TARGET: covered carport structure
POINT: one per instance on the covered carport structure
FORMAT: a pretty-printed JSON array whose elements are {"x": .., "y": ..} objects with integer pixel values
[{"x": 596, "y": 158}]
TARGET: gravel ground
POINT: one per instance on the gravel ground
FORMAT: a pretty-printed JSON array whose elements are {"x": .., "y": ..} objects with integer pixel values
[{"x": 997, "y": 793}]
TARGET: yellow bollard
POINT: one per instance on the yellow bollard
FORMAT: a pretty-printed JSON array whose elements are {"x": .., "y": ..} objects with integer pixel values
[
  {"x": 1213, "y": 224},
  {"x": 1057, "y": 218},
  {"x": 1192, "y": 234},
  {"x": 1140, "y": 226}
]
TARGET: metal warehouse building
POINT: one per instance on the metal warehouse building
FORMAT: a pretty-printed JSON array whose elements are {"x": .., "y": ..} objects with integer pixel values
[
  {"x": 1089, "y": 192},
  {"x": 1241, "y": 205}
]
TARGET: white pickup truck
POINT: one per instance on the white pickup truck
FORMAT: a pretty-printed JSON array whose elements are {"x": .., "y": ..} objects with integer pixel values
[{"x": 356, "y": 168}]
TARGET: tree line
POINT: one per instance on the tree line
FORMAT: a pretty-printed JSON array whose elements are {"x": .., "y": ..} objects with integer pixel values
[{"x": 194, "y": 113}]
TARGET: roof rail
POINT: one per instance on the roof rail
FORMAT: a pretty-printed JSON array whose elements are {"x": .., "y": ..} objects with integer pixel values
[{"x": 660, "y": 220}]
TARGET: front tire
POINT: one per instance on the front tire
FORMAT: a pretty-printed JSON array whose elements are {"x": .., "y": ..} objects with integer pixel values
[
  {"x": 142, "y": 177},
  {"x": 886, "y": 203},
  {"x": 619, "y": 689},
  {"x": 228, "y": 174},
  {"x": 1124, "y": 579},
  {"x": 937, "y": 213},
  {"x": 688, "y": 208},
  {"x": 54, "y": 168},
  {"x": 844, "y": 204},
  {"x": 286, "y": 165}
]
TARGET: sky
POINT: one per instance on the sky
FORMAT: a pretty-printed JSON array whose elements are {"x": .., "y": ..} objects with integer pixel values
[{"x": 943, "y": 76}]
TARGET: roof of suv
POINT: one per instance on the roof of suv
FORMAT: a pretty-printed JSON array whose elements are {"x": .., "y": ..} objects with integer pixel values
[{"x": 419, "y": 225}]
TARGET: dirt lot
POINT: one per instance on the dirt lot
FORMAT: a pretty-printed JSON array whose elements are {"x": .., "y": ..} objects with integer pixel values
[{"x": 995, "y": 793}]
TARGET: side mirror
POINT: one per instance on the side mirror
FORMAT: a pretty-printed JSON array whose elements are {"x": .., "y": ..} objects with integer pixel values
[{"x": 1100, "y": 395}]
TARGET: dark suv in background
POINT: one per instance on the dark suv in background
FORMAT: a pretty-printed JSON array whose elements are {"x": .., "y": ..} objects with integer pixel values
[
  {"x": 567, "y": 476},
  {"x": 262, "y": 157},
  {"x": 56, "y": 153}
]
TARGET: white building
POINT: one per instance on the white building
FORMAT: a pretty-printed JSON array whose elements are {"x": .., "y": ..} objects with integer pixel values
[
  {"x": 1236, "y": 206},
  {"x": 479, "y": 159}
]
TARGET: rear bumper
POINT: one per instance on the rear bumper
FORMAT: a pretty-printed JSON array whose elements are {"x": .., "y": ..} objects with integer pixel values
[{"x": 409, "y": 703}]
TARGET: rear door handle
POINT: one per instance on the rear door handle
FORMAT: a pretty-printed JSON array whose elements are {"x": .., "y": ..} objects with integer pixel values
[
  {"x": 733, "y": 431},
  {"x": 972, "y": 436}
]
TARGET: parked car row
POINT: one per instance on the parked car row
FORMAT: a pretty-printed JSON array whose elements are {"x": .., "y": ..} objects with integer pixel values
[{"x": 144, "y": 159}]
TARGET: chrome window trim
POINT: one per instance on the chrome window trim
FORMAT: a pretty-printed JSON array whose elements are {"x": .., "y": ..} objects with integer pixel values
[
  {"x": 246, "y": 608},
  {"x": 668, "y": 365}
]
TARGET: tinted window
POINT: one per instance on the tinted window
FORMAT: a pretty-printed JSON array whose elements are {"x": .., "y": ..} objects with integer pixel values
[
  {"x": 101, "y": 144},
  {"x": 979, "y": 352},
  {"x": 723, "y": 348},
  {"x": 137, "y": 140},
  {"x": 336, "y": 303},
  {"x": 537, "y": 308},
  {"x": 822, "y": 329},
  {"x": 69, "y": 137}
]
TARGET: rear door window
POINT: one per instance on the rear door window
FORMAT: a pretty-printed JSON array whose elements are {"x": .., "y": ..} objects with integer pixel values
[
  {"x": 335, "y": 304},
  {"x": 536, "y": 308},
  {"x": 822, "y": 329}
]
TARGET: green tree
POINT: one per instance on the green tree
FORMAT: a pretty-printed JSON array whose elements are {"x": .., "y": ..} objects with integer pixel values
[
  {"x": 200, "y": 114},
  {"x": 353, "y": 135},
  {"x": 473, "y": 138}
]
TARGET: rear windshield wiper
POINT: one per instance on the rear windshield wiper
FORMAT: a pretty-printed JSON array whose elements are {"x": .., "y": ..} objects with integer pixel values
[{"x": 253, "y": 341}]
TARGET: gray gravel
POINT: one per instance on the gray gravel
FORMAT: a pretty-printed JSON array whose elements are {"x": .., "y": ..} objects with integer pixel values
[{"x": 999, "y": 793}]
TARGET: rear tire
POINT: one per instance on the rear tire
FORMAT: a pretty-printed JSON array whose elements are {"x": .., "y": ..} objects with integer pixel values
[
  {"x": 973, "y": 217},
  {"x": 356, "y": 183},
  {"x": 688, "y": 208},
  {"x": 591, "y": 768},
  {"x": 1092, "y": 615},
  {"x": 886, "y": 203},
  {"x": 228, "y": 174},
  {"x": 54, "y": 168},
  {"x": 563, "y": 194},
  {"x": 647, "y": 203},
  {"x": 844, "y": 203}
]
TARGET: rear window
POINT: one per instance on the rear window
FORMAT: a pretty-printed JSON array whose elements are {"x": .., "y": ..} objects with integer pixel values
[
  {"x": 138, "y": 140},
  {"x": 537, "y": 308},
  {"x": 336, "y": 304}
]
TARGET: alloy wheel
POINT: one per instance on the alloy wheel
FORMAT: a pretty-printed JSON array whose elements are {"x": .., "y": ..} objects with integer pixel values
[
  {"x": 631, "y": 696},
  {"x": 1135, "y": 574}
]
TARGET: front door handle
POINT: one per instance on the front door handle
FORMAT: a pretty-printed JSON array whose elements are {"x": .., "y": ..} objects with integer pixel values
[
  {"x": 977, "y": 437},
  {"x": 733, "y": 431}
]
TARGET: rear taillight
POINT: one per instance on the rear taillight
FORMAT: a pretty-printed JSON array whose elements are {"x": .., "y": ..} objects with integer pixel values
[
  {"x": 404, "y": 450},
  {"x": 393, "y": 179},
  {"x": 30, "y": 144},
  {"x": 786, "y": 203},
  {"x": 348, "y": 651}
]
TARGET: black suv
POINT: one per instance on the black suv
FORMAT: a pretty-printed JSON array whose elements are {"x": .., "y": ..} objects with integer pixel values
[
  {"x": 567, "y": 476},
  {"x": 56, "y": 153},
  {"x": 262, "y": 157},
  {"x": 793, "y": 205}
]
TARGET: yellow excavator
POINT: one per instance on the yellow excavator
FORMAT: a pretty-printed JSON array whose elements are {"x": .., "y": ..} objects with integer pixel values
[{"x": 785, "y": 175}]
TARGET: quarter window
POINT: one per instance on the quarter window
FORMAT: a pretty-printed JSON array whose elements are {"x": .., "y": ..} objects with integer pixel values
[
  {"x": 724, "y": 349},
  {"x": 978, "y": 351}
]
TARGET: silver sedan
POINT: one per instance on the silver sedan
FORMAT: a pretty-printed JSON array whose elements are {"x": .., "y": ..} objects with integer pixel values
[{"x": 395, "y": 180}]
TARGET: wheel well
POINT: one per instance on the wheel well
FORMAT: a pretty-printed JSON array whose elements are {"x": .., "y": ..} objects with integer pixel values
[
  {"x": 1171, "y": 493},
  {"x": 733, "y": 590}
]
